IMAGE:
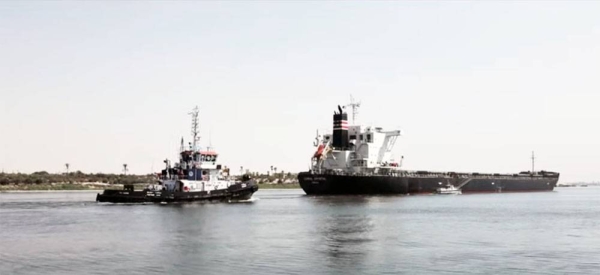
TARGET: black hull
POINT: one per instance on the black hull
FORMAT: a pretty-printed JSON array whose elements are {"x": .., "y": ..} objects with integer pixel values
[
  {"x": 483, "y": 185},
  {"x": 331, "y": 184},
  {"x": 236, "y": 192},
  {"x": 314, "y": 184}
]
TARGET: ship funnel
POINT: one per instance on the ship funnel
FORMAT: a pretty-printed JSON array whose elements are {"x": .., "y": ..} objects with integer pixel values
[{"x": 340, "y": 130}]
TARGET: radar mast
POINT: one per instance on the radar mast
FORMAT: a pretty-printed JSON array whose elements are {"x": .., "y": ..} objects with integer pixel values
[
  {"x": 354, "y": 106},
  {"x": 195, "y": 131}
]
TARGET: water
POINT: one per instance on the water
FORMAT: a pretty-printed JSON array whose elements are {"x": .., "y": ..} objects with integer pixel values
[{"x": 286, "y": 232}]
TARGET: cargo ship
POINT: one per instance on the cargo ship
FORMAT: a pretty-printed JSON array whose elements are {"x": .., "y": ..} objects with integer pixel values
[
  {"x": 196, "y": 177},
  {"x": 357, "y": 160}
]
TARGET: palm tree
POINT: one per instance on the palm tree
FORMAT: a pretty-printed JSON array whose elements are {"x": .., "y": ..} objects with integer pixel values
[
  {"x": 125, "y": 168},
  {"x": 67, "y": 166}
]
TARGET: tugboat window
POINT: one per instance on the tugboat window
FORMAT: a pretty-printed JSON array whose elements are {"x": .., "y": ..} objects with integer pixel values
[
  {"x": 369, "y": 138},
  {"x": 361, "y": 137},
  {"x": 352, "y": 136}
]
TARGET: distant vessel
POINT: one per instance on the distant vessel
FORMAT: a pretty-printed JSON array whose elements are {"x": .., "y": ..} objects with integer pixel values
[
  {"x": 196, "y": 177},
  {"x": 448, "y": 190},
  {"x": 356, "y": 159}
]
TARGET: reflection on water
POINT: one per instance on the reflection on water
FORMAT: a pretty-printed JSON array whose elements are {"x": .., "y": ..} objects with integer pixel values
[
  {"x": 287, "y": 232},
  {"x": 345, "y": 229}
]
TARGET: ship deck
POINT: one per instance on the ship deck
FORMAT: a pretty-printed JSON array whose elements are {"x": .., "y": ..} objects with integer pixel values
[{"x": 431, "y": 174}]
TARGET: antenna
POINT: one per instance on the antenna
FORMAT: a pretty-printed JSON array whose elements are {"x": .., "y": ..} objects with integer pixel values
[
  {"x": 210, "y": 139},
  {"x": 354, "y": 106},
  {"x": 195, "y": 135}
]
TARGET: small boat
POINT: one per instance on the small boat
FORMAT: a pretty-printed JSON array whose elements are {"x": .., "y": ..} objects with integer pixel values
[
  {"x": 196, "y": 177},
  {"x": 448, "y": 190}
]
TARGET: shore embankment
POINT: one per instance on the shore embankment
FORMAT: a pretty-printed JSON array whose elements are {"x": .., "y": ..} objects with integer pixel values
[
  {"x": 43, "y": 181},
  {"x": 93, "y": 188}
]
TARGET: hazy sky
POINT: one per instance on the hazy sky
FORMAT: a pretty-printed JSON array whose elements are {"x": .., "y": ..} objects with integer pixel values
[{"x": 475, "y": 86}]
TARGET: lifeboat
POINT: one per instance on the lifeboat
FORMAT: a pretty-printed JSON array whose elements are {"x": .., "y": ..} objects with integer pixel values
[{"x": 319, "y": 151}]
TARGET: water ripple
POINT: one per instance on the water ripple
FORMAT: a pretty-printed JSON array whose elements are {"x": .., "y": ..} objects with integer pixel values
[{"x": 287, "y": 232}]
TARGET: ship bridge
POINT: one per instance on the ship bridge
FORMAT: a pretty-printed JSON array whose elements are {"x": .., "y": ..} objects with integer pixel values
[{"x": 355, "y": 147}]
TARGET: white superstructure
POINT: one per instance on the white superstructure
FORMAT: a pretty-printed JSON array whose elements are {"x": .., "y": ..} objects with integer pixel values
[
  {"x": 197, "y": 169},
  {"x": 354, "y": 148}
]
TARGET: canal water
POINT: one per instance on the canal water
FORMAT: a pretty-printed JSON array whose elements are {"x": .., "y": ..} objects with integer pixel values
[{"x": 287, "y": 232}]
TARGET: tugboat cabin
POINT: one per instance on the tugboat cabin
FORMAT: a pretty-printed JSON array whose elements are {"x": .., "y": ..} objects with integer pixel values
[{"x": 196, "y": 171}]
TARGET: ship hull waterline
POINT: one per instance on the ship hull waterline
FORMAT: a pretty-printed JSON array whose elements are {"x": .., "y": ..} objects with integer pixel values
[{"x": 331, "y": 184}]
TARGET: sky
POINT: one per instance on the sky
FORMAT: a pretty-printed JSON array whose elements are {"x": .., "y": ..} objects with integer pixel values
[{"x": 473, "y": 86}]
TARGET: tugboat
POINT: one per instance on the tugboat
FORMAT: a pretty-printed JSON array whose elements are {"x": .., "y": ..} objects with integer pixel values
[
  {"x": 196, "y": 177},
  {"x": 357, "y": 160}
]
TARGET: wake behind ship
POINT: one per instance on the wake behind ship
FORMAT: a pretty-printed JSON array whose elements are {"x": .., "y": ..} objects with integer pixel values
[{"x": 357, "y": 160}]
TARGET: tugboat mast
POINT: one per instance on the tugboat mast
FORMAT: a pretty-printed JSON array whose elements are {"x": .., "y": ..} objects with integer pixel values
[{"x": 195, "y": 135}]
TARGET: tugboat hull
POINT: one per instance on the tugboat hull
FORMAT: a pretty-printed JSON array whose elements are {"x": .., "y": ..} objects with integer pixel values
[{"x": 235, "y": 192}]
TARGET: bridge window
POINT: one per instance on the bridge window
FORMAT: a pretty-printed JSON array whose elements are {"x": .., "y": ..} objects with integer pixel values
[{"x": 208, "y": 158}]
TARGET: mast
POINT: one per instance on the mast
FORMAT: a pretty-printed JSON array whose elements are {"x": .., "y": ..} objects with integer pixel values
[
  {"x": 209, "y": 148},
  {"x": 532, "y": 162},
  {"x": 354, "y": 106},
  {"x": 195, "y": 135}
]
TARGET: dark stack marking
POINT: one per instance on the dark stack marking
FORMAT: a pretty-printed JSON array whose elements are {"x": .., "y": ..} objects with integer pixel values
[{"x": 340, "y": 130}]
